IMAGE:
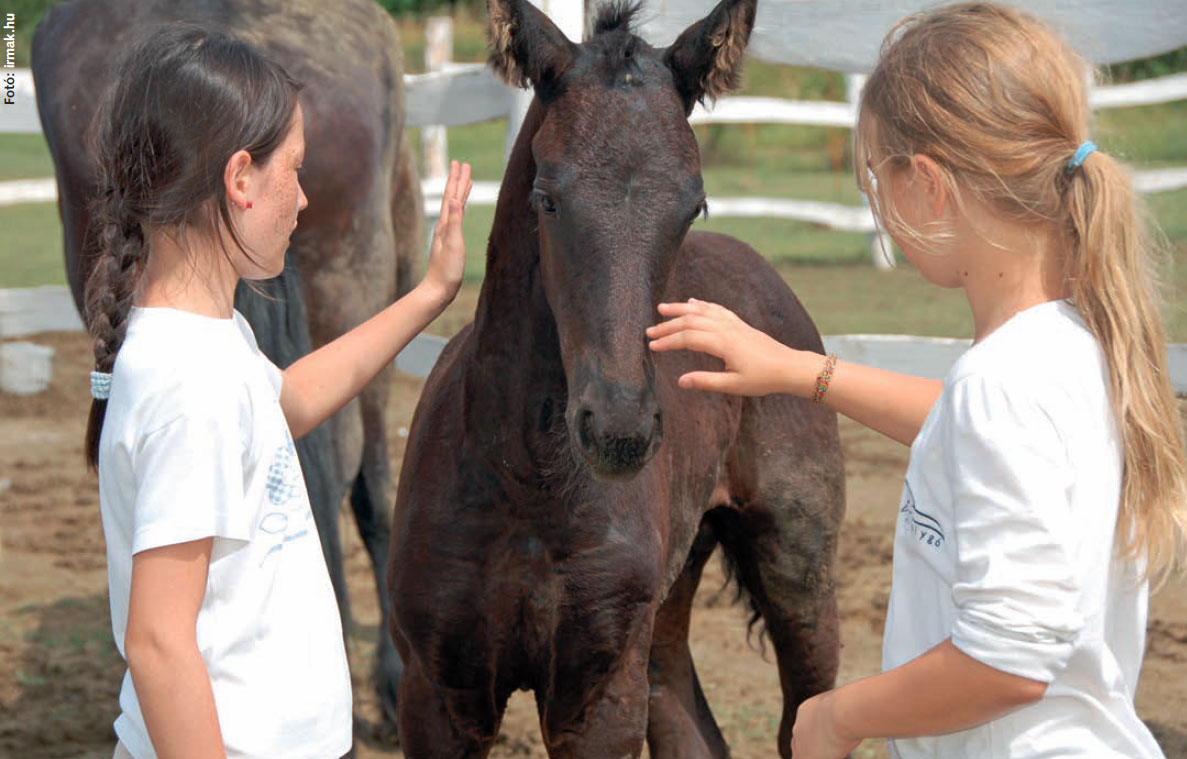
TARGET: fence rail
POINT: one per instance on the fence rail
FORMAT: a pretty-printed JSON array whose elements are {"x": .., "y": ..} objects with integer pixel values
[
  {"x": 461, "y": 94},
  {"x": 33, "y": 310}
]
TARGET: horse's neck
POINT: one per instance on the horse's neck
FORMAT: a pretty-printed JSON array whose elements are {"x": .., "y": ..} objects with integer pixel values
[
  {"x": 516, "y": 364},
  {"x": 510, "y": 290}
]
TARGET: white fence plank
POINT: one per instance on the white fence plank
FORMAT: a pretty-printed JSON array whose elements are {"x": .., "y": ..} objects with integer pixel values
[
  {"x": 29, "y": 311},
  {"x": 1164, "y": 89},
  {"x": 434, "y": 142},
  {"x": 17, "y": 191},
  {"x": 20, "y": 116},
  {"x": 1160, "y": 180},
  {"x": 463, "y": 93},
  {"x": 832, "y": 215},
  {"x": 755, "y": 110}
]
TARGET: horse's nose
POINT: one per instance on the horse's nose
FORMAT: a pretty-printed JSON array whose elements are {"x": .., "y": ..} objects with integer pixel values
[{"x": 619, "y": 436}]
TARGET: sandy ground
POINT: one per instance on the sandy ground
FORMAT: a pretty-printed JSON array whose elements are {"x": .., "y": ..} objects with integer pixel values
[{"x": 60, "y": 674}]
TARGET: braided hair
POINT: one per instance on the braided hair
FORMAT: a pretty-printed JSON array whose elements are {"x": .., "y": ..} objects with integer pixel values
[{"x": 184, "y": 101}]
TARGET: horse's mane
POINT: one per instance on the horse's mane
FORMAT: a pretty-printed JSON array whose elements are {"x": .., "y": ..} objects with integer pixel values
[{"x": 616, "y": 14}]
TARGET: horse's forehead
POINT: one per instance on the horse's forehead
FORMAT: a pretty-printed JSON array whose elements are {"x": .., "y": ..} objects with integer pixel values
[{"x": 619, "y": 114}]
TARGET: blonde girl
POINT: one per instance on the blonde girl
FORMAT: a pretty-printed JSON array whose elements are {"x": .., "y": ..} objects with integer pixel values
[
  {"x": 1046, "y": 478},
  {"x": 220, "y": 599}
]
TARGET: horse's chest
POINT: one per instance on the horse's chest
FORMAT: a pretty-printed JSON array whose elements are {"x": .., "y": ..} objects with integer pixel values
[{"x": 573, "y": 592}]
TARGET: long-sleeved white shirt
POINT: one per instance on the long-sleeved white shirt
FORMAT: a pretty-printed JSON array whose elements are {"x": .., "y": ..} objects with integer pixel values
[{"x": 1005, "y": 543}]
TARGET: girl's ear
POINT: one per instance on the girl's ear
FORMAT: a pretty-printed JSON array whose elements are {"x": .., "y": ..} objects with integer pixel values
[
  {"x": 237, "y": 178},
  {"x": 930, "y": 178}
]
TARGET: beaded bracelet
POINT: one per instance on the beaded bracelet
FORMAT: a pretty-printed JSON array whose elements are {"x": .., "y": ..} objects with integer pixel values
[{"x": 825, "y": 376}]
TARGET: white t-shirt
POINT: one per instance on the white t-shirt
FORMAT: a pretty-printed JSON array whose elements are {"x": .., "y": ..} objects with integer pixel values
[
  {"x": 195, "y": 445},
  {"x": 1005, "y": 543}
]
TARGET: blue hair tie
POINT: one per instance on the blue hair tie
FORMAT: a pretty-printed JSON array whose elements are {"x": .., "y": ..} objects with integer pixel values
[
  {"x": 100, "y": 385},
  {"x": 1087, "y": 147}
]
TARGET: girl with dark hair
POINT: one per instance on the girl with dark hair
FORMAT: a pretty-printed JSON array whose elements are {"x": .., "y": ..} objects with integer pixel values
[
  {"x": 1047, "y": 480},
  {"x": 220, "y": 599}
]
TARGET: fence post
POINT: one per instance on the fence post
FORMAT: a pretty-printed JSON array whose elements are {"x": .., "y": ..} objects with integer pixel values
[
  {"x": 569, "y": 17},
  {"x": 881, "y": 246},
  {"x": 434, "y": 147}
]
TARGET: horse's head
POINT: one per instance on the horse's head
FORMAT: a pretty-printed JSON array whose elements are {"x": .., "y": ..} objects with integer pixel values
[{"x": 617, "y": 185}]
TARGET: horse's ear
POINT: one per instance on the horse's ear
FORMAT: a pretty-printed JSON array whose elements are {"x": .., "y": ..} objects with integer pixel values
[
  {"x": 526, "y": 48},
  {"x": 706, "y": 59}
]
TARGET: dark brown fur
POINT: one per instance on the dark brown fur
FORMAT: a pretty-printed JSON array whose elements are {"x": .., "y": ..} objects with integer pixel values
[
  {"x": 560, "y": 494},
  {"x": 357, "y": 246}
]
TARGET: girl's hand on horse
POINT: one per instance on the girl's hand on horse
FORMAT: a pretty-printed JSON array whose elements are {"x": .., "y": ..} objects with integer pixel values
[
  {"x": 815, "y": 734},
  {"x": 755, "y": 363},
  {"x": 447, "y": 254}
]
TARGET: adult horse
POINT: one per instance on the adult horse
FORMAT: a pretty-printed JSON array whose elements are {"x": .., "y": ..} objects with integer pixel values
[
  {"x": 357, "y": 244},
  {"x": 560, "y": 494}
]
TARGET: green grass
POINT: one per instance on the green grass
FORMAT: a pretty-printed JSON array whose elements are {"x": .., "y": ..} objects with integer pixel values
[
  {"x": 31, "y": 246},
  {"x": 24, "y": 156}
]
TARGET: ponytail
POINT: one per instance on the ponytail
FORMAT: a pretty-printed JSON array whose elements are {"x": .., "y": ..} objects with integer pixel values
[
  {"x": 1110, "y": 272},
  {"x": 108, "y": 296}
]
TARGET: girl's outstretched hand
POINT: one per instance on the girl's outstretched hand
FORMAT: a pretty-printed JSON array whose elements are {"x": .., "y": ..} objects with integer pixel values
[
  {"x": 447, "y": 254},
  {"x": 755, "y": 364}
]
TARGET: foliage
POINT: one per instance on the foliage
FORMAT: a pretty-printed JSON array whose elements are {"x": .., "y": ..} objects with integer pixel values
[
  {"x": 423, "y": 7},
  {"x": 1172, "y": 62}
]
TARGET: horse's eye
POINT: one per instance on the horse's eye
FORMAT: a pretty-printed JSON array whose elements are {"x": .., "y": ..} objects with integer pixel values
[
  {"x": 546, "y": 203},
  {"x": 701, "y": 210}
]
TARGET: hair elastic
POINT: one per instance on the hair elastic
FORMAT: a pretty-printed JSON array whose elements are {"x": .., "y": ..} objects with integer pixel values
[
  {"x": 1087, "y": 147},
  {"x": 100, "y": 385}
]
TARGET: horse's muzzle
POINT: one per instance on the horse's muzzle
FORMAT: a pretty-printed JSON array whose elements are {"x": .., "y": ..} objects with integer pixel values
[{"x": 617, "y": 439}]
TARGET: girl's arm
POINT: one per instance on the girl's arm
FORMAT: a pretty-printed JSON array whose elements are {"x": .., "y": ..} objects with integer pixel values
[
  {"x": 161, "y": 647},
  {"x": 324, "y": 381},
  {"x": 755, "y": 364},
  {"x": 942, "y": 691}
]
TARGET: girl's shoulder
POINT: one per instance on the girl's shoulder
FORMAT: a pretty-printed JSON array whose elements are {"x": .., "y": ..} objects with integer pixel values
[
  {"x": 1048, "y": 342},
  {"x": 1043, "y": 358},
  {"x": 174, "y": 363}
]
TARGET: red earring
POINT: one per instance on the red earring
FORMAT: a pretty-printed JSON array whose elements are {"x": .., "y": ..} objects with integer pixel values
[{"x": 249, "y": 204}]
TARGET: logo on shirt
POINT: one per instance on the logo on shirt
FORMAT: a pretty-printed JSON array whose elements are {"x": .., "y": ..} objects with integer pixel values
[
  {"x": 922, "y": 526},
  {"x": 284, "y": 476},
  {"x": 290, "y": 516}
]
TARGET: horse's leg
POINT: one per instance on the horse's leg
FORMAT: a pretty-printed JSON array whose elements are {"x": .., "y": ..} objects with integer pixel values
[
  {"x": 783, "y": 548},
  {"x": 353, "y": 280},
  {"x": 371, "y": 499},
  {"x": 372, "y": 495},
  {"x": 444, "y": 724},
  {"x": 680, "y": 723},
  {"x": 612, "y": 727}
]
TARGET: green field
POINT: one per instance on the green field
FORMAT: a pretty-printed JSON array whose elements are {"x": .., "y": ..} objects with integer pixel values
[{"x": 830, "y": 271}]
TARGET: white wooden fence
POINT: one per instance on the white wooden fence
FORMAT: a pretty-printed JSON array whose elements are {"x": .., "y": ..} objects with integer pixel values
[
  {"x": 28, "y": 311},
  {"x": 786, "y": 31},
  {"x": 458, "y": 94}
]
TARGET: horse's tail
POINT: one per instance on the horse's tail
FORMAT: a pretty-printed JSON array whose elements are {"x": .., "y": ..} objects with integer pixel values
[
  {"x": 407, "y": 214},
  {"x": 729, "y": 531}
]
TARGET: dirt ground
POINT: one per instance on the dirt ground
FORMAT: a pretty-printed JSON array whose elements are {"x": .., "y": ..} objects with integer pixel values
[{"x": 60, "y": 674}]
